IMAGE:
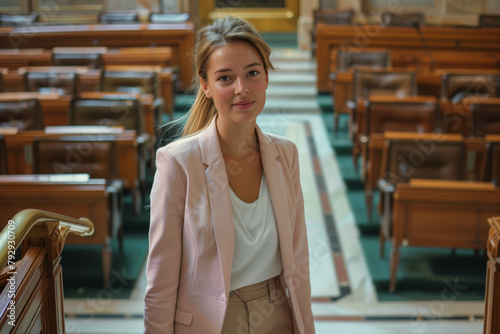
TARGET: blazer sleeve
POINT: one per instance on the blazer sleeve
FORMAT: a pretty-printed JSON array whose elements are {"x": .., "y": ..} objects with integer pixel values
[
  {"x": 302, "y": 280},
  {"x": 165, "y": 245}
]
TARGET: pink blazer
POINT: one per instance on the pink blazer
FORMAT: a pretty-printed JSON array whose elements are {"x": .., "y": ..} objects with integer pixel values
[{"x": 191, "y": 237}]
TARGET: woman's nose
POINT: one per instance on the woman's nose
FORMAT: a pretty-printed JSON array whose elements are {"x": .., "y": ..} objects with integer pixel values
[{"x": 241, "y": 87}]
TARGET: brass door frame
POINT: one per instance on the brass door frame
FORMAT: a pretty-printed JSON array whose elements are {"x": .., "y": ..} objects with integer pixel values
[{"x": 264, "y": 19}]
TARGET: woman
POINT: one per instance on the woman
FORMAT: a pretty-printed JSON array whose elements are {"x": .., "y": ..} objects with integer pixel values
[{"x": 228, "y": 245}]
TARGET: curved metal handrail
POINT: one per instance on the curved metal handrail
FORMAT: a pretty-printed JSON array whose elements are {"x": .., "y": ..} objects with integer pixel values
[{"x": 20, "y": 225}]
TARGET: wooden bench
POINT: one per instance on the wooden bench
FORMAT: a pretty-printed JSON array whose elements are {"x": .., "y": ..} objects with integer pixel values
[
  {"x": 438, "y": 213},
  {"x": 450, "y": 47},
  {"x": 69, "y": 194},
  {"x": 31, "y": 297},
  {"x": 178, "y": 36},
  {"x": 492, "y": 294}
]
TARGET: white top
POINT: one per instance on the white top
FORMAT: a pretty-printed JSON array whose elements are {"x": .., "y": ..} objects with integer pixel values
[{"x": 257, "y": 255}]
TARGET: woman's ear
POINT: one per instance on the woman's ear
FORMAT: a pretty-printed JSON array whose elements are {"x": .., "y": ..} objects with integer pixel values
[{"x": 204, "y": 86}]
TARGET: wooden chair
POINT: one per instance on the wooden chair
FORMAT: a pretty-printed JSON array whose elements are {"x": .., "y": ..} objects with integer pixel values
[
  {"x": 115, "y": 111},
  {"x": 457, "y": 86},
  {"x": 38, "y": 296},
  {"x": 63, "y": 83},
  {"x": 347, "y": 60},
  {"x": 487, "y": 20},
  {"x": 329, "y": 16},
  {"x": 118, "y": 17},
  {"x": 492, "y": 293},
  {"x": 390, "y": 19},
  {"x": 91, "y": 60},
  {"x": 417, "y": 156},
  {"x": 97, "y": 157},
  {"x": 485, "y": 116},
  {"x": 21, "y": 114},
  {"x": 2, "y": 83},
  {"x": 418, "y": 114},
  {"x": 168, "y": 17},
  {"x": 135, "y": 82},
  {"x": 439, "y": 213},
  {"x": 18, "y": 19},
  {"x": 3, "y": 156},
  {"x": 367, "y": 83}
]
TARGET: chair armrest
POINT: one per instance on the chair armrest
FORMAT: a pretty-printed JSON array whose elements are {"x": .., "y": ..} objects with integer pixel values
[
  {"x": 142, "y": 139},
  {"x": 385, "y": 186},
  {"x": 115, "y": 186},
  {"x": 350, "y": 104}
]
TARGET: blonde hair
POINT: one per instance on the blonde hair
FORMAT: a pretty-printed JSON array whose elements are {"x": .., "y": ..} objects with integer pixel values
[{"x": 208, "y": 39}]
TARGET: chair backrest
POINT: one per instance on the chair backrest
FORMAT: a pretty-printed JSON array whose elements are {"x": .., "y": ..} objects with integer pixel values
[
  {"x": 18, "y": 19},
  {"x": 91, "y": 60},
  {"x": 3, "y": 156},
  {"x": 457, "y": 86},
  {"x": 21, "y": 114},
  {"x": 403, "y": 115},
  {"x": 126, "y": 112},
  {"x": 329, "y": 16},
  {"x": 118, "y": 17},
  {"x": 168, "y": 17},
  {"x": 485, "y": 117},
  {"x": 491, "y": 168},
  {"x": 488, "y": 20},
  {"x": 140, "y": 82},
  {"x": 403, "y": 19},
  {"x": 77, "y": 154},
  {"x": 423, "y": 159},
  {"x": 383, "y": 83},
  {"x": 347, "y": 59},
  {"x": 64, "y": 83}
]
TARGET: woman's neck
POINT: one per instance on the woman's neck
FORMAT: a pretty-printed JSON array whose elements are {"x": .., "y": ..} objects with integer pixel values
[{"x": 237, "y": 141}]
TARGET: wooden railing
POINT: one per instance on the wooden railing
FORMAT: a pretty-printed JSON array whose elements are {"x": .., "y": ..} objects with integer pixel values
[
  {"x": 31, "y": 297},
  {"x": 492, "y": 295}
]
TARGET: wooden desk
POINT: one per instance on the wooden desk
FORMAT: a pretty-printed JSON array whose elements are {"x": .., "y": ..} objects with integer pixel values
[
  {"x": 89, "y": 79},
  {"x": 178, "y": 36},
  {"x": 451, "y": 47},
  {"x": 56, "y": 108},
  {"x": 436, "y": 213},
  {"x": 15, "y": 58},
  {"x": 492, "y": 294},
  {"x": 68, "y": 194},
  {"x": 20, "y": 161}
]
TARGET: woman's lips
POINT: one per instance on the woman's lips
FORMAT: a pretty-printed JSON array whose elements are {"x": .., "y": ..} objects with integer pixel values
[{"x": 244, "y": 104}]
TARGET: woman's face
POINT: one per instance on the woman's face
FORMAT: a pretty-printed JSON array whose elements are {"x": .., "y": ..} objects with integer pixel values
[{"x": 237, "y": 82}]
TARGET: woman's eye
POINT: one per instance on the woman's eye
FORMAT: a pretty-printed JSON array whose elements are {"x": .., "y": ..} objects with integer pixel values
[
  {"x": 223, "y": 78},
  {"x": 253, "y": 73}
]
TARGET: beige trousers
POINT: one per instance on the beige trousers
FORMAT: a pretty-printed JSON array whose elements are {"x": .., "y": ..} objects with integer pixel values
[{"x": 260, "y": 308}]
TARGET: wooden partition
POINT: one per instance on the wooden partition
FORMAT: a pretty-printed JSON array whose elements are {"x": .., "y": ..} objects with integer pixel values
[
  {"x": 438, "y": 213},
  {"x": 492, "y": 295},
  {"x": 31, "y": 297},
  {"x": 445, "y": 47},
  {"x": 178, "y": 36}
]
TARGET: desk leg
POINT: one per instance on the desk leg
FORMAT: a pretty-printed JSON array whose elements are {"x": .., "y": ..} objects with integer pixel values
[
  {"x": 106, "y": 264},
  {"x": 394, "y": 266}
]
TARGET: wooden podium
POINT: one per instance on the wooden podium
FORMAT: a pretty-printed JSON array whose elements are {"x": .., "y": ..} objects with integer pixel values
[
  {"x": 492, "y": 295},
  {"x": 31, "y": 297}
]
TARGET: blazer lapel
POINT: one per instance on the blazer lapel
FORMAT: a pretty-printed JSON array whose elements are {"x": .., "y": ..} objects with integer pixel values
[
  {"x": 275, "y": 178},
  {"x": 218, "y": 199}
]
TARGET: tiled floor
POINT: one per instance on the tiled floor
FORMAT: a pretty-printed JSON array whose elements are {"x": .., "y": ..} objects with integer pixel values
[{"x": 345, "y": 300}]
